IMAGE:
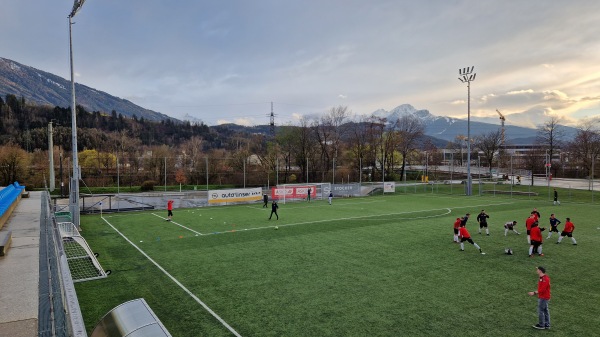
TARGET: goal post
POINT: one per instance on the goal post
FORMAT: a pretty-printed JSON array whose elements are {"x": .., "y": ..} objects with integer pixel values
[{"x": 299, "y": 192}]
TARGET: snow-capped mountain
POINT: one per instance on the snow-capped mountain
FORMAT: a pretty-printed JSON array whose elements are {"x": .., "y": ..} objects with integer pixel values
[{"x": 447, "y": 128}]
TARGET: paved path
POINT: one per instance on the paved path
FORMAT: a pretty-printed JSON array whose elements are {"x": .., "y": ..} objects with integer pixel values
[{"x": 19, "y": 271}]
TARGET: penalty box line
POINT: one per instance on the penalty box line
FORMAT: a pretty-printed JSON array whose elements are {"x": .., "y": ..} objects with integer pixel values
[
  {"x": 198, "y": 300},
  {"x": 180, "y": 225}
]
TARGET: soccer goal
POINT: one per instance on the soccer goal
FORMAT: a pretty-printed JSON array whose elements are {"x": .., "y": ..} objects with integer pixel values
[
  {"x": 83, "y": 263},
  {"x": 299, "y": 192}
]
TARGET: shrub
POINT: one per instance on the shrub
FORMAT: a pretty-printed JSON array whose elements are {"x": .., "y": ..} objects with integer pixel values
[{"x": 148, "y": 185}]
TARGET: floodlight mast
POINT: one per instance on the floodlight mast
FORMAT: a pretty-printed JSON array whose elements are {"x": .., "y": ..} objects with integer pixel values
[
  {"x": 74, "y": 198},
  {"x": 467, "y": 75}
]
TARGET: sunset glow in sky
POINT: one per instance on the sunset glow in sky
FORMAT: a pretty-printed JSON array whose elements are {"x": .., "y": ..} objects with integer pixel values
[{"x": 225, "y": 61}]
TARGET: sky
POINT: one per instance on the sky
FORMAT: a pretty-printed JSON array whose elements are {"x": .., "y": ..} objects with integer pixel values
[{"x": 226, "y": 61}]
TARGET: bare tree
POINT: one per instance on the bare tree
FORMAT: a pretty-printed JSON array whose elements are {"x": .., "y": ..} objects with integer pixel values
[
  {"x": 585, "y": 148},
  {"x": 329, "y": 132},
  {"x": 550, "y": 135},
  {"x": 489, "y": 144},
  {"x": 410, "y": 129}
]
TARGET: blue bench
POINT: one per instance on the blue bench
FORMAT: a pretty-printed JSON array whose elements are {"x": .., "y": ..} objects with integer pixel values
[{"x": 9, "y": 197}]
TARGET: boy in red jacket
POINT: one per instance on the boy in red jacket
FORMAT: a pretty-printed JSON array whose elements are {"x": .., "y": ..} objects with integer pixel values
[
  {"x": 543, "y": 293},
  {"x": 568, "y": 231}
]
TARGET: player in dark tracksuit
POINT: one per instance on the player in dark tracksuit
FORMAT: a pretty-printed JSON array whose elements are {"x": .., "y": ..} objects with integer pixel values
[
  {"x": 274, "y": 208},
  {"x": 266, "y": 201},
  {"x": 554, "y": 222},
  {"x": 482, "y": 219}
]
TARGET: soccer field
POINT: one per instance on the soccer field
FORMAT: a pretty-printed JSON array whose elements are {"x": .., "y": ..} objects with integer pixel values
[{"x": 376, "y": 266}]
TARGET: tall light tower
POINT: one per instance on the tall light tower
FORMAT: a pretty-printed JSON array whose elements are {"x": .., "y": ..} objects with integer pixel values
[
  {"x": 74, "y": 201},
  {"x": 466, "y": 76}
]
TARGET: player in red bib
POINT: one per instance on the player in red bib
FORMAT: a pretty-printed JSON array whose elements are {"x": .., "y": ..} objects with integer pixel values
[
  {"x": 568, "y": 231},
  {"x": 169, "y": 210},
  {"x": 456, "y": 227},
  {"x": 465, "y": 236},
  {"x": 528, "y": 223},
  {"x": 536, "y": 240}
]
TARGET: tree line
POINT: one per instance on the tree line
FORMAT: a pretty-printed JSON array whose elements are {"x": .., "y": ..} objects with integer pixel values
[{"x": 334, "y": 147}]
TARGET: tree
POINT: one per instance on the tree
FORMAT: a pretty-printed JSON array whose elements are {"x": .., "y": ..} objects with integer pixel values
[
  {"x": 585, "y": 148},
  {"x": 489, "y": 144},
  {"x": 13, "y": 164},
  {"x": 550, "y": 135},
  {"x": 410, "y": 129}
]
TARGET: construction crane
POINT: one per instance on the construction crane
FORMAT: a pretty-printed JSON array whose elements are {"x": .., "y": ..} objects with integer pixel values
[{"x": 502, "y": 119}]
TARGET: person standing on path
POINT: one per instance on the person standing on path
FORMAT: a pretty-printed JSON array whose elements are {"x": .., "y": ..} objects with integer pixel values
[{"x": 543, "y": 293}]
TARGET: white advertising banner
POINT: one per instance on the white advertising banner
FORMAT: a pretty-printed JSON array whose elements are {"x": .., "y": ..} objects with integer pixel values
[
  {"x": 389, "y": 187},
  {"x": 237, "y": 195}
]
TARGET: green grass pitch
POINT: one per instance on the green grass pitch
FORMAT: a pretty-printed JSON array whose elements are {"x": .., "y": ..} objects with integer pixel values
[{"x": 376, "y": 266}]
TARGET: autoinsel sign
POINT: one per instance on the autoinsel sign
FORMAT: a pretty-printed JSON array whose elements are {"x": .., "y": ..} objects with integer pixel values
[{"x": 237, "y": 195}]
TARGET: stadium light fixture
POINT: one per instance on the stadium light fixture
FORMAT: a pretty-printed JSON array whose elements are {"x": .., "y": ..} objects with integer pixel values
[
  {"x": 74, "y": 195},
  {"x": 467, "y": 76}
]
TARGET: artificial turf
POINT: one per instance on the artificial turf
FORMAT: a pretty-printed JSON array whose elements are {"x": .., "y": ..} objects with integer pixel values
[{"x": 373, "y": 266}]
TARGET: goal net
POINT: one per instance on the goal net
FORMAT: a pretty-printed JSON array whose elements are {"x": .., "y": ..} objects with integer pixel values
[
  {"x": 83, "y": 264},
  {"x": 297, "y": 192}
]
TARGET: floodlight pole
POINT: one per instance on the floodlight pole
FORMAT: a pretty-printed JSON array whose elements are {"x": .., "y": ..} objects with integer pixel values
[
  {"x": 74, "y": 202},
  {"x": 51, "y": 157},
  {"x": 467, "y": 75}
]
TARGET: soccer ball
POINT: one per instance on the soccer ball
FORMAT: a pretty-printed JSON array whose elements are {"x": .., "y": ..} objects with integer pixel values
[
  {"x": 276, "y": 227},
  {"x": 508, "y": 251}
]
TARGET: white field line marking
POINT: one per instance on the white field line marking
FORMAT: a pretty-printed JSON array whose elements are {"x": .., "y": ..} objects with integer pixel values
[
  {"x": 206, "y": 307},
  {"x": 364, "y": 217},
  {"x": 418, "y": 217},
  {"x": 324, "y": 203},
  {"x": 182, "y": 226}
]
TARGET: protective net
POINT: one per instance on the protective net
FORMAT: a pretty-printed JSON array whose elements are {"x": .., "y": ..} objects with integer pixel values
[{"x": 82, "y": 261}]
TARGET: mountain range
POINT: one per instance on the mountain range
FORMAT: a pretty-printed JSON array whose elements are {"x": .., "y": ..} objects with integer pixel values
[{"x": 44, "y": 88}]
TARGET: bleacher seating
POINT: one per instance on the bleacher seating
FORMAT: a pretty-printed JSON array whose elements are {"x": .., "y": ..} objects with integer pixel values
[{"x": 9, "y": 197}]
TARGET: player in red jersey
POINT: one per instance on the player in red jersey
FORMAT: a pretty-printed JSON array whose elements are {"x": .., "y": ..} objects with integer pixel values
[
  {"x": 568, "y": 231},
  {"x": 528, "y": 223},
  {"x": 536, "y": 240},
  {"x": 465, "y": 236},
  {"x": 169, "y": 210},
  {"x": 537, "y": 214},
  {"x": 456, "y": 227}
]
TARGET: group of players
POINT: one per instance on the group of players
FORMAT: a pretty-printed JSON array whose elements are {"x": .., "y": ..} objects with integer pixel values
[{"x": 534, "y": 231}]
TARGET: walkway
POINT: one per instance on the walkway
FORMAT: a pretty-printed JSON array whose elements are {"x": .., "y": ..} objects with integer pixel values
[{"x": 19, "y": 271}]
